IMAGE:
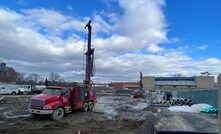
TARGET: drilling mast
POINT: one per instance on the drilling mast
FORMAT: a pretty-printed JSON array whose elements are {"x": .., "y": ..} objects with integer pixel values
[{"x": 89, "y": 57}]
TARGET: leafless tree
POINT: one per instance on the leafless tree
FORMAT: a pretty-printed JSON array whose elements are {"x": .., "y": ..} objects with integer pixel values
[
  {"x": 33, "y": 78},
  {"x": 54, "y": 76},
  {"x": 20, "y": 77}
]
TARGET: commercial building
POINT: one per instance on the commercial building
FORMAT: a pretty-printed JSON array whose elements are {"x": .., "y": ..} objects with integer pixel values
[
  {"x": 7, "y": 74},
  {"x": 124, "y": 85},
  {"x": 176, "y": 83}
]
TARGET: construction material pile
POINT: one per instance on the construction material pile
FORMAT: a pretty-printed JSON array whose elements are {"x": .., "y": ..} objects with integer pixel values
[
  {"x": 196, "y": 108},
  {"x": 181, "y": 102},
  {"x": 175, "y": 102}
]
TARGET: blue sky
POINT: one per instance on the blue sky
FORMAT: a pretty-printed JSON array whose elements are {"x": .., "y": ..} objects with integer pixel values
[
  {"x": 158, "y": 37},
  {"x": 196, "y": 23}
]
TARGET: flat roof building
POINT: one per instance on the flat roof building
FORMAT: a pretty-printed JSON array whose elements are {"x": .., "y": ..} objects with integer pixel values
[
  {"x": 174, "y": 83},
  {"x": 124, "y": 85}
]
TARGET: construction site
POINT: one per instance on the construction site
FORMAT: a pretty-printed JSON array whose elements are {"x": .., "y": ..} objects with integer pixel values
[
  {"x": 122, "y": 114},
  {"x": 125, "y": 97}
]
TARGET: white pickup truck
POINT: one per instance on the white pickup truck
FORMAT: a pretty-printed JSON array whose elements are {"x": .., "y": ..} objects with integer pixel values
[
  {"x": 5, "y": 90},
  {"x": 25, "y": 89}
]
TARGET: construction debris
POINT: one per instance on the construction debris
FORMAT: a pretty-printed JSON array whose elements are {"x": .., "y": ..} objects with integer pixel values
[{"x": 196, "y": 108}]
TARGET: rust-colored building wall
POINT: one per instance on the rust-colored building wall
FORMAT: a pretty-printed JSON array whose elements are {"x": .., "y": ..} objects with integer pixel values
[{"x": 124, "y": 85}]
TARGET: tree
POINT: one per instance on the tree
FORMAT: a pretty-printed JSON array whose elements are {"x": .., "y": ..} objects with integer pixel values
[
  {"x": 20, "y": 78},
  {"x": 33, "y": 78},
  {"x": 46, "y": 82},
  {"x": 54, "y": 76}
]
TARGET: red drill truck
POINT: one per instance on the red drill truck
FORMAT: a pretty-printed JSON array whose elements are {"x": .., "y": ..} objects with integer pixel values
[{"x": 56, "y": 100}]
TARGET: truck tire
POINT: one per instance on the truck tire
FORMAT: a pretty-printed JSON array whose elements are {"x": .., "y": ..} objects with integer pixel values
[
  {"x": 85, "y": 107},
  {"x": 58, "y": 114},
  {"x": 25, "y": 93},
  {"x": 13, "y": 93},
  {"x": 90, "y": 106}
]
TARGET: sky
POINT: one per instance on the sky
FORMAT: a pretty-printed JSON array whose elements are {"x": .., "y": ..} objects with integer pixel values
[{"x": 157, "y": 37}]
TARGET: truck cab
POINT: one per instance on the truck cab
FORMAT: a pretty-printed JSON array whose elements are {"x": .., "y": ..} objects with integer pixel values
[
  {"x": 56, "y": 101},
  {"x": 25, "y": 89}
]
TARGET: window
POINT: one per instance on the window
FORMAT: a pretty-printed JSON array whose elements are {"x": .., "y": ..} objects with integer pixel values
[
  {"x": 52, "y": 91},
  {"x": 8, "y": 74},
  {"x": 27, "y": 86},
  {"x": 64, "y": 92},
  {"x": 3, "y": 88}
]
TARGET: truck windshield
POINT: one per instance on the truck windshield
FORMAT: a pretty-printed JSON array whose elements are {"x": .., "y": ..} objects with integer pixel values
[{"x": 52, "y": 91}]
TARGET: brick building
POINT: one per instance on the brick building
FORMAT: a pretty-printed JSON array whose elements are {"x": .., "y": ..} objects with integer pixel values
[
  {"x": 125, "y": 85},
  {"x": 7, "y": 74}
]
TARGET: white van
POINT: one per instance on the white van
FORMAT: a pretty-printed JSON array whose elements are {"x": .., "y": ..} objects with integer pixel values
[{"x": 5, "y": 90}]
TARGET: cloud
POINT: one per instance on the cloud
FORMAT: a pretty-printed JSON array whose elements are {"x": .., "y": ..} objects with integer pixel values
[
  {"x": 202, "y": 47},
  {"x": 144, "y": 22},
  {"x": 154, "y": 48},
  {"x": 53, "y": 22},
  {"x": 32, "y": 42},
  {"x": 69, "y": 7}
]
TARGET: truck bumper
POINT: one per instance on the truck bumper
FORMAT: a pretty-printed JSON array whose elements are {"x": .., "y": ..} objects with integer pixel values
[{"x": 36, "y": 111}]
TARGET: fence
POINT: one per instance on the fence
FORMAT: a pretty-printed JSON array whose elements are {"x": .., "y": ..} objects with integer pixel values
[{"x": 209, "y": 96}]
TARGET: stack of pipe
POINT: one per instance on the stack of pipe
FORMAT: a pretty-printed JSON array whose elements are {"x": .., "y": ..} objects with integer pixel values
[{"x": 181, "y": 102}]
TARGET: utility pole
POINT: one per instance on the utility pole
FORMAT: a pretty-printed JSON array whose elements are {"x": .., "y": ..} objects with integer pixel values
[
  {"x": 141, "y": 82},
  {"x": 89, "y": 57}
]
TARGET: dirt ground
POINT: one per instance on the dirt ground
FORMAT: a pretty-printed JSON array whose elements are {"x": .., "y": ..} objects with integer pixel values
[
  {"x": 186, "y": 122},
  {"x": 123, "y": 115}
]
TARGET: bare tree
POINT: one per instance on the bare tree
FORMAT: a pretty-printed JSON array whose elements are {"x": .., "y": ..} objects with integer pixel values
[
  {"x": 32, "y": 78},
  {"x": 20, "y": 77},
  {"x": 54, "y": 76}
]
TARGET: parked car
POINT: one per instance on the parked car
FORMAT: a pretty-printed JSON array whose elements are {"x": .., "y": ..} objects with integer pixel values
[{"x": 5, "y": 90}]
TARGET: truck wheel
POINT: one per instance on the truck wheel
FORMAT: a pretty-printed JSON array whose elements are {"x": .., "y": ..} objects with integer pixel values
[
  {"x": 90, "y": 106},
  {"x": 13, "y": 93},
  {"x": 58, "y": 114},
  {"x": 25, "y": 93},
  {"x": 85, "y": 108}
]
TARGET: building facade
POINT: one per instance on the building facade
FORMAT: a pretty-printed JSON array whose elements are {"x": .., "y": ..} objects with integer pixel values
[
  {"x": 124, "y": 85},
  {"x": 7, "y": 74},
  {"x": 176, "y": 83}
]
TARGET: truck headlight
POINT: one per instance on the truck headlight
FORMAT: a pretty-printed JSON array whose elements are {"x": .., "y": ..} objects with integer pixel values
[{"x": 47, "y": 107}]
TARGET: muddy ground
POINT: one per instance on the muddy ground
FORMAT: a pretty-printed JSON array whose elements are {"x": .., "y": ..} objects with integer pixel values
[{"x": 123, "y": 115}]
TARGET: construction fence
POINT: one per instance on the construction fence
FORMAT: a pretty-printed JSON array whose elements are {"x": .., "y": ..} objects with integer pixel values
[{"x": 208, "y": 96}]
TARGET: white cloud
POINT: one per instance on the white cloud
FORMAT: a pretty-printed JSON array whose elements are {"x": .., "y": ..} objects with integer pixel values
[
  {"x": 131, "y": 44},
  {"x": 202, "y": 47},
  {"x": 69, "y": 7},
  {"x": 52, "y": 21},
  {"x": 144, "y": 21},
  {"x": 154, "y": 48}
]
